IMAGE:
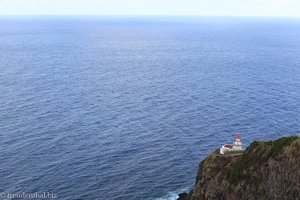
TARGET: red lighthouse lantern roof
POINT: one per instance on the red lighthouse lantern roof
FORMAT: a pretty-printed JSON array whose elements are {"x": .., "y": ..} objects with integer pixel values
[{"x": 237, "y": 137}]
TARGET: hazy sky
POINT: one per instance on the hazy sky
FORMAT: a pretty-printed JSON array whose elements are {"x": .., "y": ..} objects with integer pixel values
[{"x": 289, "y": 8}]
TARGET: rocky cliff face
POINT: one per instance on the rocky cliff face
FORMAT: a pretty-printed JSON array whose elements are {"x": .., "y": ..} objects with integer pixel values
[{"x": 266, "y": 170}]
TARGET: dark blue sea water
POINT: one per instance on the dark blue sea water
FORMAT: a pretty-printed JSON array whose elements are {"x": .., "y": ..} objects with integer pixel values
[{"x": 125, "y": 108}]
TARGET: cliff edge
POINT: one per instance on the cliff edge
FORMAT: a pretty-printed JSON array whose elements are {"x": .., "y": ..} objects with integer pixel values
[{"x": 265, "y": 170}]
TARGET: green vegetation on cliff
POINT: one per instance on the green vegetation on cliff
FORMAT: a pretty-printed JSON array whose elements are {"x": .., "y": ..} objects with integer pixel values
[
  {"x": 265, "y": 170},
  {"x": 257, "y": 154}
]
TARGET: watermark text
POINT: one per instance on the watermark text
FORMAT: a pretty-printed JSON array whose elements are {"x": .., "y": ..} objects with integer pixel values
[{"x": 24, "y": 195}]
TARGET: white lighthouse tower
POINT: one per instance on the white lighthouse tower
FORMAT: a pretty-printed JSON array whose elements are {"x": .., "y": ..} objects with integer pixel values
[{"x": 237, "y": 145}]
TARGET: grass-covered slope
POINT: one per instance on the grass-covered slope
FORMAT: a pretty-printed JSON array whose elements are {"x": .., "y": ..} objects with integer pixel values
[
  {"x": 265, "y": 170},
  {"x": 259, "y": 153}
]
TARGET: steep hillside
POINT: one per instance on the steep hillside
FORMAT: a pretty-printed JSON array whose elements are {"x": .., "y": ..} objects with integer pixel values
[{"x": 266, "y": 170}]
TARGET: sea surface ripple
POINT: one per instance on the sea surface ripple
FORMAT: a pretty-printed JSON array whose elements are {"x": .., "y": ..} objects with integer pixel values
[{"x": 125, "y": 108}]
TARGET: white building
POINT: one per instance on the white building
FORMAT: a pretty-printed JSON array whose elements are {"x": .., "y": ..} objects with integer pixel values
[{"x": 236, "y": 146}]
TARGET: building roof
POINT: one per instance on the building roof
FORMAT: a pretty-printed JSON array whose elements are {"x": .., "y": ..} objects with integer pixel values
[{"x": 228, "y": 146}]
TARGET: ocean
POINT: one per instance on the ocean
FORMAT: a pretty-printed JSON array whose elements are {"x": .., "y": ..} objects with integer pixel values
[{"x": 125, "y": 108}]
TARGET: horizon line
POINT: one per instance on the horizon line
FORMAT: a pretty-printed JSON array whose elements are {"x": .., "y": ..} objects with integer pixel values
[{"x": 127, "y": 15}]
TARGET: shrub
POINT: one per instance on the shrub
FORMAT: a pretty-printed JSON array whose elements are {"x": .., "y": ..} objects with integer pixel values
[{"x": 256, "y": 154}]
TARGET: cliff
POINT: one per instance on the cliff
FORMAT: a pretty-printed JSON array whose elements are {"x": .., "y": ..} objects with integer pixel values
[{"x": 265, "y": 170}]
